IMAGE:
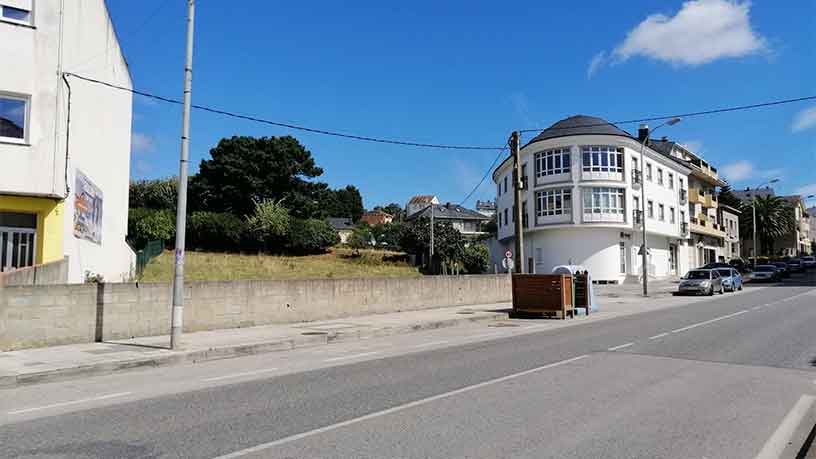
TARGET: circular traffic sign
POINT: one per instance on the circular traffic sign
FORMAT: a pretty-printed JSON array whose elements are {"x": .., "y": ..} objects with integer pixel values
[{"x": 508, "y": 254}]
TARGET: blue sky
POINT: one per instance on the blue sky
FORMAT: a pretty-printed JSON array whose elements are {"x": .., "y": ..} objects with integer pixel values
[{"x": 471, "y": 72}]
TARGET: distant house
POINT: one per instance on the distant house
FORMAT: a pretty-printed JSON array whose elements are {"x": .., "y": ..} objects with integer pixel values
[
  {"x": 486, "y": 208},
  {"x": 467, "y": 221},
  {"x": 343, "y": 226},
  {"x": 377, "y": 217},
  {"x": 418, "y": 203}
]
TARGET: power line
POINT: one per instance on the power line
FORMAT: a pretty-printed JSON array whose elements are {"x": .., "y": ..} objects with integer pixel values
[
  {"x": 287, "y": 125},
  {"x": 484, "y": 177},
  {"x": 687, "y": 115}
]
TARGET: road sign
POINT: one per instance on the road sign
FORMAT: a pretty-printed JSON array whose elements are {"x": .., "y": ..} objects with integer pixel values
[
  {"x": 508, "y": 254},
  {"x": 507, "y": 263}
]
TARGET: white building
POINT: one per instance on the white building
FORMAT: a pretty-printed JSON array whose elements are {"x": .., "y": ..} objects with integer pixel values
[
  {"x": 581, "y": 200},
  {"x": 63, "y": 190},
  {"x": 419, "y": 203}
]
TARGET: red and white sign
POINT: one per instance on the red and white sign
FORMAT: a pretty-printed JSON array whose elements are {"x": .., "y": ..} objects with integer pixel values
[{"x": 508, "y": 254}]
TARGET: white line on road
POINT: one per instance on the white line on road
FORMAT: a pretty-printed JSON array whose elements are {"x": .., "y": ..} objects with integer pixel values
[
  {"x": 73, "y": 402},
  {"x": 698, "y": 324},
  {"x": 756, "y": 307},
  {"x": 432, "y": 343},
  {"x": 779, "y": 440},
  {"x": 424, "y": 401},
  {"x": 620, "y": 347},
  {"x": 486, "y": 335},
  {"x": 238, "y": 375},
  {"x": 659, "y": 336},
  {"x": 353, "y": 356}
]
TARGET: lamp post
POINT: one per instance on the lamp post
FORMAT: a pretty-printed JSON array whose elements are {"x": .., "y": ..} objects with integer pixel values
[
  {"x": 753, "y": 210},
  {"x": 644, "y": 247}
]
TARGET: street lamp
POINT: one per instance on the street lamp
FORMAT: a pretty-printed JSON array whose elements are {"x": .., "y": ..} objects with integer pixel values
[
  {"x": 753, "y": 208},
  {"x": 643, "y": 248}
]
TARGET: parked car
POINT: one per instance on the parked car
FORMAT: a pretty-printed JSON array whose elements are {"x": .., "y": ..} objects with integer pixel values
[
  {"x": 767, "y": 273},
  {"x": 716, "y": 265},
  {"x": 701, "y": 281},
  {"x": 809, "y": 262},
  {"x": 731, "y": 279},
  {"x": 740, "y": 265},
  {"x": 783, "y": 268},
  {"x": 795, "y": 265}
]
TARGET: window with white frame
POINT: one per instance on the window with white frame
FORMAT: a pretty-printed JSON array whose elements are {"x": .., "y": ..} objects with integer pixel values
[
  {"x": 554, "y": 202},
  {"x": 671, "y": 181},
  {"x": 602, "y": 158},
  {"x": 13, "y": 117},
  {"x": 603, "y": 200},
  {"x": 552, "y": 162},
  {"x": 659, "y": 176},
  {"x": 671, "y": 215},
  {"x": 661, "y": 212},
  {"x": 15, "y": 13},
  {"x": 650, "y": 209},
  {"x": 649, "y": 172}
]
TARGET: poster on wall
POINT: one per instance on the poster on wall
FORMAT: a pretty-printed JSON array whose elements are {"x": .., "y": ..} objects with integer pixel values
[{"x": 87, "y": 209}]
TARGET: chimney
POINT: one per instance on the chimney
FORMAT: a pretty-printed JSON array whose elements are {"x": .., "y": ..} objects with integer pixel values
[
  {"x": 643, "y": 132},
  {"x": 664, "y": 138},
  {"x": 447, "y": 205}
]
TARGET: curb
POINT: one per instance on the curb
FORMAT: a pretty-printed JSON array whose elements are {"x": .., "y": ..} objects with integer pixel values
[{"x": 234, "y": 351}]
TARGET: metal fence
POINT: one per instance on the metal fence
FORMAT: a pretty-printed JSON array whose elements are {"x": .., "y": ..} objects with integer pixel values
[{"x": 150, "y": 251}]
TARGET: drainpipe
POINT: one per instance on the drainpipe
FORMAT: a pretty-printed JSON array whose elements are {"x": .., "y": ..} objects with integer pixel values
[{"x": 67, "y": 135}]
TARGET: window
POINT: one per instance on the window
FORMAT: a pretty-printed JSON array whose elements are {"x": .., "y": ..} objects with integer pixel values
[
  {"x": 524, "y": 217},
  {"x": 671, "y": 181},
  {"x": 552, "y": 162},
  {"x": 659, "y": 176},
  {"x": 649, "y": 172},
  {"x": 18, "y": 240},
  {"x": 553, "y": 202},
  {"x": 600, "y": 158},
  {"x": 622, "y": 258},
  {"x": 505, "y": 217},
  {"x": 603, "y": 200},
  {"x": 682, "y": 216},
  {"x": 671, "y": 215},
  {"x": 500, "y": 220},
  {"x": 13, "y": 117},
  {"x": 505, "y": 186},
  {"x": 636, "y": 203},
  {"x": 498, "y": 189},
  {"x": 524, "y": 176},
  {"x": 681, "y": 184},
  {"x": 650, "y": 209},
  {"x": 15, "y": 14},
  {"x": 661, "y": 212}
]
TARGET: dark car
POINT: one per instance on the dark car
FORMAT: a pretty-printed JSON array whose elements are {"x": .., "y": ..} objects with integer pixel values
[
  {"x": 796, "y": 266},
  {"x": 767, "y": 273},
  {"x": 783, "y": 268},
  {"x": 716, "y": 265},
  {"x": 740, "y": 265}
]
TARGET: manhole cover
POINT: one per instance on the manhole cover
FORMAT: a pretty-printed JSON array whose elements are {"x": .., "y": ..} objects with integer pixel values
[
  {"x": 314, "y": 333},
  {"x": 503, "y": 324},
  {"x": 465, "y": 312}
]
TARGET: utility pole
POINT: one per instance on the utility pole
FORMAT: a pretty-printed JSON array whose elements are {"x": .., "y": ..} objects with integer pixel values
[
  {"x": 518, "y": 186},
  {"x": 177, "y": 318},
  {"x": 431, "y": 249}
]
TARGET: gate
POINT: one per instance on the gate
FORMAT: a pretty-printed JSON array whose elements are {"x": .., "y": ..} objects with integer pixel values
[{"x": 18, "y": 247}]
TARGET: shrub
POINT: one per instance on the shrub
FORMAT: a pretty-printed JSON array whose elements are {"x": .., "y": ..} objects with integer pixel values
[
  {"x": 360, "y": 238},
  {"x": 268, "y": 226},
  {"x": 476, "y": 258},
  {"x": 158, "y": 194},
  {"x": 214, "y": 231},
  {"x": 148, "y": 225},
  {"x": 311, "y": 236}
]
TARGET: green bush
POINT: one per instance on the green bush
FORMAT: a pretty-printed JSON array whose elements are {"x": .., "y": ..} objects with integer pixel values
[
  {"x": 311, "y": 236},
  {"x": 149, "y": 225},
  {"x": 214, "y": 231},
  {"x": 360, "y": 238},
  {"x": 476, "y": 258},
  {"x": 158, "y": 194},
  {"x": 268, "y": 226}
]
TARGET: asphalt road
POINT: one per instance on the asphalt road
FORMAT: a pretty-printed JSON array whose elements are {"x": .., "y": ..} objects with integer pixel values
[{"x": 719, "y": 378}]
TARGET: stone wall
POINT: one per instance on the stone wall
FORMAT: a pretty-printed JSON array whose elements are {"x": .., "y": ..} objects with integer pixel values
[{"x": 61, "y": 314}]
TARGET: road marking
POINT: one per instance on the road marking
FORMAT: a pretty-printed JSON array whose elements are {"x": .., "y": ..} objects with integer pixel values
[
  {"x": 699, "y": 324},
  {"x": 353, "y": 356},
  {"x": 238, "y": 375},
  {"x": 396, "y": 409},
  {"x": 779, "y": 440},
  {"x": 756, "y": 307},
  {"x": 486, "y": 335},
  {"x": 659, "y": 336},
  {"x": 620, "y": 347},
  {"x": 73, "y": 402},
  {"x": 432, "y": 343}
]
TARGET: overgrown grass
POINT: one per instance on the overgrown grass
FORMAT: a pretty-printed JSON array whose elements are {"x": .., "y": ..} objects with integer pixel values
[{"x": 230, "y": 266}]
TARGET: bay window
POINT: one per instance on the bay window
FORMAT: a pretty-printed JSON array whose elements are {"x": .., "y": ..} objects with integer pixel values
[
  {"x": 602, "y": 158},
  {"x": 604, "y": 204},
  {"x": 554, "y": 202},
  {"x": 552, "y": 162}
]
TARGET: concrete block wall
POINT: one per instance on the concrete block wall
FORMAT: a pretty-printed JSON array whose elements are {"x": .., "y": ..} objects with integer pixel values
[
  {"x": 52, "y": 315},
  {"x": 53, "y": 273}
]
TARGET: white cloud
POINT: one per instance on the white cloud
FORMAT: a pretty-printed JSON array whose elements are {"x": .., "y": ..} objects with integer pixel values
[
  {"x": 741, "y": 171},
  {"x": 805, "y": 119},
  {"x": 701, "y": 32},
  {"x": 806, "y": 190},
  {"x": 596, "y": 63},
  {"x": 694, "y": 145},
  {"x": 141, "y": 143}
]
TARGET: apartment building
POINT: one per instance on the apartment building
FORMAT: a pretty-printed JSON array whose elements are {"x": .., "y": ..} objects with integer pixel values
[
  {"x": 582, "y": 203},
  {"x": 64, "y": 142},
  {"x": 708, "y": 231},
  {"x": 729, "y": 217}
]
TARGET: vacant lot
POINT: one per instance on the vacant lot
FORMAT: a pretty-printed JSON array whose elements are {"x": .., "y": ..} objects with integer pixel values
[{"x": 229, "y": 266}]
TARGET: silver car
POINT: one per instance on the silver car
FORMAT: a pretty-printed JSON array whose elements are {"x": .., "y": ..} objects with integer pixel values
[{"x": 702, "y": 281}]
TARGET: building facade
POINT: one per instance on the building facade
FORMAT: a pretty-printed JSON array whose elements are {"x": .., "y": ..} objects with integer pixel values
[
  {"x": 729, "y": 217},
  {"x": 467, "y": 221},
  {"x": 582, "y": 203},
  {"x": 377, "y": 217},
  {"x": 64, "y": 187},
  {"x": 418, "y": 203},
  {"x": 486, "y": 208},
  {"x": 708, "y": 235}
]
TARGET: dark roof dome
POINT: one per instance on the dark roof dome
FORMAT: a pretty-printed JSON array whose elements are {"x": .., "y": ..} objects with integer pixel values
[{"x": 579, "y": 125}]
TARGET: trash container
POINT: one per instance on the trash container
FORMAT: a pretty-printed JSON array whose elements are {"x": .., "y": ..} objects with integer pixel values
[
  {"x": 549, "y": 294},
  {"x": 582, "y": 286}
]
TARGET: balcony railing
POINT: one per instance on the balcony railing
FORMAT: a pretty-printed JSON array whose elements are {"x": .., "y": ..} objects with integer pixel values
[
  {"x": 683, "y": 196},
  {"x": 684, "y": 229},
  {"x": 637, "y": 216},
  {"x": 637, "y": 177}
]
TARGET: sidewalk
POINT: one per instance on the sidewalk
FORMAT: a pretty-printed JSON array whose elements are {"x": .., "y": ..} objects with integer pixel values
[{"x": 32, "y": 366}]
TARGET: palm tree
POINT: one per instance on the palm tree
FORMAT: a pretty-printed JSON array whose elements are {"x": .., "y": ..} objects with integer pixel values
[{"x": 775, "y": 219}]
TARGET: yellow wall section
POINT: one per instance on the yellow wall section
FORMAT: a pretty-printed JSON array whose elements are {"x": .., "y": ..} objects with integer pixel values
[{"x": 50, "y": 225}]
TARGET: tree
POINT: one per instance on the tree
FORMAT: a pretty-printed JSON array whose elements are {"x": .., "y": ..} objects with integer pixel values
[
  {"x": 727, "y": 197},
  {"x": 395, "y": 210},
  {"x": 449, "y": 244},
  {"x": 158, "y": 194},
  {"x": 248, "y": 169},
  {"x": 269, "y": 223},
  {"x": 343, "y": 202},
  {"x": 775, "y": 219},
  {"x": 360, "y": 238},
  {"x": 150, "y": 225},
  {"x": 311, "y": 236},
  {"x": 476, "y": 258},
  {"x": 214, "y": 231}
]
